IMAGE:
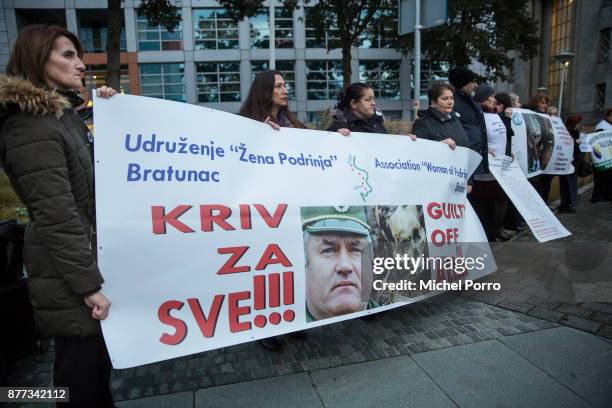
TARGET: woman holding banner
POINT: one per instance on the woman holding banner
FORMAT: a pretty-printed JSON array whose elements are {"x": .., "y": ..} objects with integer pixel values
[
  {"x": 438, "y": 122},
  {"x": 47, "y": 153},
  {"x": 356, "y": 111},
  {"x": 268, "y": 102},
  {"x": 602, "y": 179}
]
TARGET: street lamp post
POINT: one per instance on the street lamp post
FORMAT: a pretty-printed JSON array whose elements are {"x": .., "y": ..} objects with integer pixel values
[{"x": 564, "y": 59}]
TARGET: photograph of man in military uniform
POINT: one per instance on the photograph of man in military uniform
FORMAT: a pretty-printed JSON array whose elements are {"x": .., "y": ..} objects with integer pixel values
[
  {"x": 340, "y": 243},
  {"x": 338, "y": 254}
]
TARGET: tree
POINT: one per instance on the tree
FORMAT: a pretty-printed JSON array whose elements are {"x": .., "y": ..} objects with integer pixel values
[
  {"x": 485, "y": 31},
  {"x": 157, "y": 12},
  {"x": 351, "y": 18}
]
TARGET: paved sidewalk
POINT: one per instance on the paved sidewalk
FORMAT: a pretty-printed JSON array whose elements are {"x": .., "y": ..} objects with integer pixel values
[
  {"x": 474, "y": 350},
  {"x": 516, "y": 371},
  {"x": 566, "y": 281}
]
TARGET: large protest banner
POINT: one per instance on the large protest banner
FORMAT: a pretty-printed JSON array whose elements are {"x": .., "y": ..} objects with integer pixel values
[
  {"x": 542, "y": 222},
  {"x": 541, "y": 143},
  {"x": 600, "y": 146},
  {"x": 215, "y": 230}
]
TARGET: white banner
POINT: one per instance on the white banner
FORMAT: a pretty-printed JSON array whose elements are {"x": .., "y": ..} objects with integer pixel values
[
  {"x": 600, "y": 146},
  {"x": 541, "y": 143},
  {"x": 542, "y": 222},
  {"x": 496, "y": 132},
  {"x": 206, "y": 219}
]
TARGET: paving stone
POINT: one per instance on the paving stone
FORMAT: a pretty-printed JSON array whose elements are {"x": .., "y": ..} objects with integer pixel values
[
  {"x": 287, "y": 391},
  {"x": 574, "y": 310},
  {"x": 489, "y": 374},
  {"x": 401, "y": 384},
  {"x": 580, "y": 323},
  {"x": 546, "y": 314},
  {"x": 516, "y": 306},
  {"x": 599, "y": 307},
  {"x": 183, "y": 399},
  {"x": 605, "y": 331},
  {"x": 585, "y": 366}
]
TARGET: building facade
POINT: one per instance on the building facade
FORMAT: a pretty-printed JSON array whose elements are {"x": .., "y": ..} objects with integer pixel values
[
  {"x": 211, "y": 60},
  {"x": 581, "y": 27}
]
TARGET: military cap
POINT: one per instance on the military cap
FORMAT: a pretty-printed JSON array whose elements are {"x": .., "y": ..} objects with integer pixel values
[{"x": 349, "y": 219}]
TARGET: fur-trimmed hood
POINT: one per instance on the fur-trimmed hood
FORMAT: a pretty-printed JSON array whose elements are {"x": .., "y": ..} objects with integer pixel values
[{"x": 22, "y": 95}]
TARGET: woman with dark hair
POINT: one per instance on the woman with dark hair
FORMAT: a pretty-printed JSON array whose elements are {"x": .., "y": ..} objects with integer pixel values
[
  {"x": 438, "y": 122},
  {"x": 355, "y": 111},
  {"x": 268, "y": 101},
  {"x": 47, "y": 153}
]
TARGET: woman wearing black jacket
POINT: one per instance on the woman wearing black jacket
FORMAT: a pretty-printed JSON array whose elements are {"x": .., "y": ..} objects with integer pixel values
[
  {"x": 268, "y": 102},
  {"x": 47, "y": 153},
  {"x": 356, "y": 111},
  {"x": 439, "y": 122}
]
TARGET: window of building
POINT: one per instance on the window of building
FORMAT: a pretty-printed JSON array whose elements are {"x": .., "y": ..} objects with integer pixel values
[
  {"x": 218, "y": 81},
  {"x": 383, "y": 76},
  {"x": 93, "y": 30},
  {"x": 283, "y": 28},
  {"x": 27, "y": 17},
  {"x": 323, "y": 79},
  {"x": 431, "y": 71},
  {"x": 214, "y": 30},
  {"x": 157, "y": 38},
  {"x": 600, "y": 97},
  {"x": 95, "y": 77},
  {"x": 316, "y": 118},
  {"x": 165, "y": 81},
  {"x": 603, "y": 51},
  {"x": 287, "y": 68},
  {"x": 384, "y": 34},
  {"x": 330, "y": 39},
  {"x": 560, "y": 32}
]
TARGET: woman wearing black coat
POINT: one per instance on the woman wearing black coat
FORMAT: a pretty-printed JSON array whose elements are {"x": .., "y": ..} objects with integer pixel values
[
  {"x": 439, "y": 122},
  {"x": 356, "y": 111},
  {"x": 47, "y": 154}
]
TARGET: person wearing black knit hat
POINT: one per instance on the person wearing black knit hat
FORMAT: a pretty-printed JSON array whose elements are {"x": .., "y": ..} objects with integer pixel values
[
  {"x": 462, "y": 76},
  {"x": 482, "y": 93},
  {"x": 472, "y": 119}
]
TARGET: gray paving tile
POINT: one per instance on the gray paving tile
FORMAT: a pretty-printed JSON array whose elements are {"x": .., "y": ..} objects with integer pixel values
[
  {"x": 393, "y": 382},
  {"x": 287, "y": 391},
  {"x": 178, "y": 400},
  {"x": 581, "y": 361},
  {"x": 489, "y": 374}
]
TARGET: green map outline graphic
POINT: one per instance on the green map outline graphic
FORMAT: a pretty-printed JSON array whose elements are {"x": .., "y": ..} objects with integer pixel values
[{"x": 352, "y": 161}]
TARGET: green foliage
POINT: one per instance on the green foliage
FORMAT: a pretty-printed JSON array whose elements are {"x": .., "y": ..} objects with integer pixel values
[
  {"x": 160, "y": 12},
  {"x": 351, "y": 18},
  {"x": 485, "y": 31},
  {"x": 240, "y": 9}
]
